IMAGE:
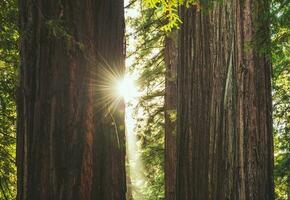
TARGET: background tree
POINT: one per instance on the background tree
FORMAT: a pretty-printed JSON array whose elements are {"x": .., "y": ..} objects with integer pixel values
[
  {"x": 8, "y": 73},
  {"x": 70, "y": 145},
  {"x": 225, "y": 148},
  {"x": 170, "y": 114}
]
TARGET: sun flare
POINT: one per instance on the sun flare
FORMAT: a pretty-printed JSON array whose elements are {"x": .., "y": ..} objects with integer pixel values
[{"x": 127, "y": 88}]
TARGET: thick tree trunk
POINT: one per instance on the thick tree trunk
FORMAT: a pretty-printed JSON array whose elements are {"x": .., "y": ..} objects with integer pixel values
[
  {"x": 170, "y": 53},
  {"x": 224, "y": 103},
  {"x": 68, "y": 146}
]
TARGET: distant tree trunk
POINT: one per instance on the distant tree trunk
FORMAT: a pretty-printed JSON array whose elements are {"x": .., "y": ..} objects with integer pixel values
[
  {"x": 129, "y": 195},
  {"x": 224, "y": 146},
  {"x": 67, "y": 146},
  {"x": 288, "y": 187},
  {"x": 170, "y": 52}
]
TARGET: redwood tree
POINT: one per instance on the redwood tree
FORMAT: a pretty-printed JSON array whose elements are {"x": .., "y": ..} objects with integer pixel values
[
  {"x": 224, "y": 102},
  {"x": 170, "y": 54},
  {"x": 69, "y": 146}
]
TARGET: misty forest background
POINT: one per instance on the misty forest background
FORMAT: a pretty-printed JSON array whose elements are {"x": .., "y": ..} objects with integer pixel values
[{"x": 150, "y": 29}]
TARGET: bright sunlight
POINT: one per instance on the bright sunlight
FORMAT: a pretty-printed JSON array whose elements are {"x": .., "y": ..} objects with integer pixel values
[{"x": 126, "y": 88}]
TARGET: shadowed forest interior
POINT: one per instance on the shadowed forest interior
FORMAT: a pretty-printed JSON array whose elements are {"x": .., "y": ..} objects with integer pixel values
[{"x": 145, "y": 99}]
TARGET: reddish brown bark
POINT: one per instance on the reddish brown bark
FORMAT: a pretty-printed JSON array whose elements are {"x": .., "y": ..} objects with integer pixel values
[
  {"x": 170, "y": 53},
  {"x": 224, "y": 103},
  {"x": 66, "y": 146}
]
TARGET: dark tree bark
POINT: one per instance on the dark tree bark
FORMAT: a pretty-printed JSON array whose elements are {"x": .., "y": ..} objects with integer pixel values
[
  {"x": 170, "y": 53},
  {"x": 67, "y": 146},
  {"x": 224, "y": 148}
]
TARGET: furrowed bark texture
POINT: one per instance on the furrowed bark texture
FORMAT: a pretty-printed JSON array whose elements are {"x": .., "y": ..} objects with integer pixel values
[
  {"x": 224, "y": 103},
  {"x": 67, "y": 147},
  {"x": 170, "y": 53}
]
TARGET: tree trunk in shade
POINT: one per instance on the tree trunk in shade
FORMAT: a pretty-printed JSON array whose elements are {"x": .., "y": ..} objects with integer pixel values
[
  {"x": 170, "y": 53},
  {"x": 68, "y": 145},
  {"x": 224, "y": 128}
]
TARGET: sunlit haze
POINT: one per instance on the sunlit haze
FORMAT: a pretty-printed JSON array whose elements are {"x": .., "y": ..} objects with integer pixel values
[{"x": 129, "y": 90}]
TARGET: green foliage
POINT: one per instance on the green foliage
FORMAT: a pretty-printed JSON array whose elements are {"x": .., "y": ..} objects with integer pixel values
[
  {"x": 281, "y": 94},
  {"x": 8, "y": 74},
  {"x": 168, "y": 10}
]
